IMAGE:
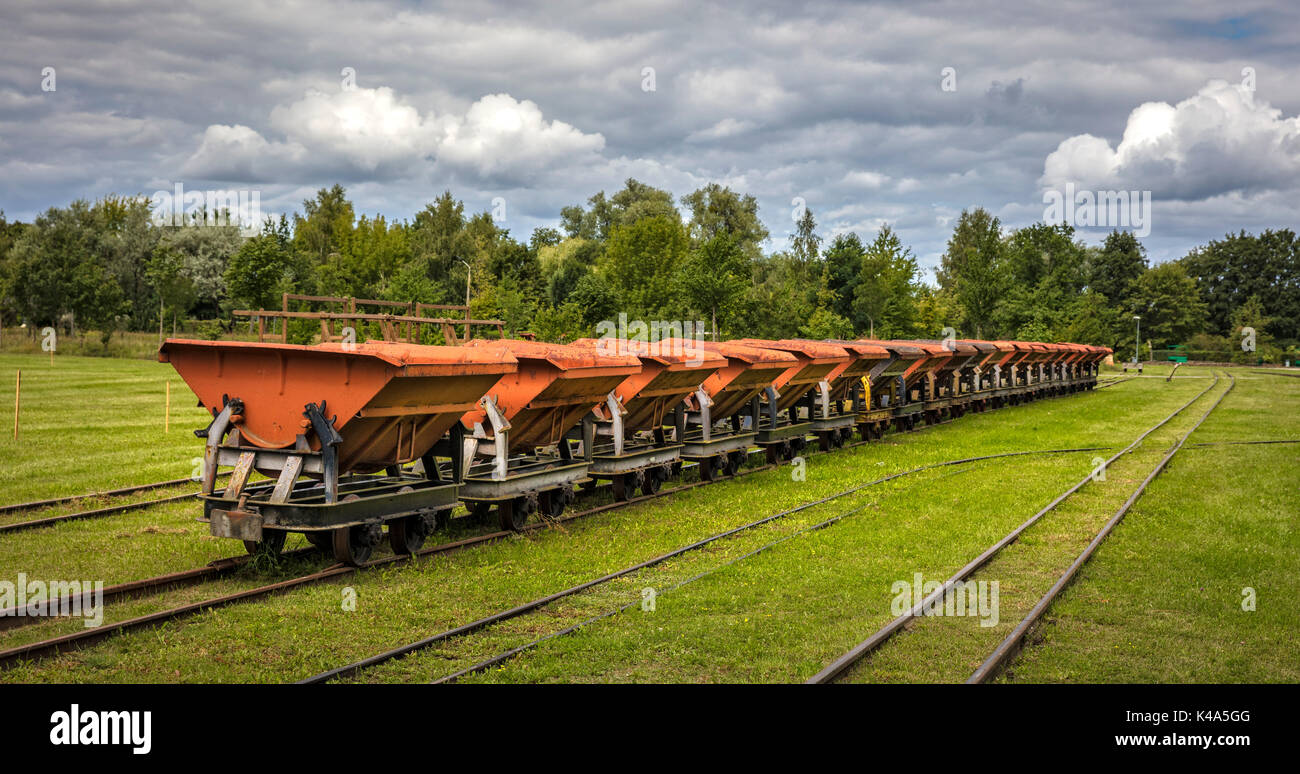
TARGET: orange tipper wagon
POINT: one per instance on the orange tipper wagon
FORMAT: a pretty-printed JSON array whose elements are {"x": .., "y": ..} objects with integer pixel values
[
  {"x": 985, "y": 373},
  {"x": 332, "y": 426},
  {"x": 722, "y": 416},
  {"x": 916, "y": 394},
  {"x": 842, "y": 397},
  {"x": 634, "y": 439},
  {"x": 944, "y": 383},
  {"x": 518, "y": 459},
  {"x": 885, "y": 388},
  {"x": 788, "y": 404}
]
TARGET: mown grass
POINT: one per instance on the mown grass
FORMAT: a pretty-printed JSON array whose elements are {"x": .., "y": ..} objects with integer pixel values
[
  {"x": 91, "y": 424},
  {"x": 1162, "y": 599},
  {"x": 307, "y": 631}
]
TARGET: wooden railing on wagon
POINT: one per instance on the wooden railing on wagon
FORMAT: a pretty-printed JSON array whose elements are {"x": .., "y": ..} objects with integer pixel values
[{"x": 393, "y": 327}]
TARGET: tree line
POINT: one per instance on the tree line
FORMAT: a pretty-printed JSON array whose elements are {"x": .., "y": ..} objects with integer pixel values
[{"x": 108, "y": 267}]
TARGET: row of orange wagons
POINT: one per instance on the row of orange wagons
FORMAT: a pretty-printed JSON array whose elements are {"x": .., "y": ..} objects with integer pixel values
[{"x": 362, "y": 442}]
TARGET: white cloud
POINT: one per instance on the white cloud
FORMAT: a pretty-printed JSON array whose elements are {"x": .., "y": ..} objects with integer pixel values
[
  {"x": 1220, "y": 140},
  {"x": 503, "y": 136},
  {"x": 727, "y": 127},
  {"x": 866, "y": 179},
  {"x": 374, "y": 134}
]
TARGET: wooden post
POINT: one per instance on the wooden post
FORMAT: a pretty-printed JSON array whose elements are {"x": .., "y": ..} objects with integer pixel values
[
  {"x": 18, "y": 397},
  {"x": 167, "y": 407}
]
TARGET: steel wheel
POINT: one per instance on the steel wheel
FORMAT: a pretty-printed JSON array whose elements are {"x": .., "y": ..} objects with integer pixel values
[
  {"x": 653, "y": 478},
  {"x": 734, "y": 461},
  {"x": 552, "y": 503},
  {"x": 706, "y": 467},
  {"x": 272, "y": 542},
  {"x": 619, "y": 484},
  {"x": 353, "y": 545},
  {"x": 513, "y": 514},
  {"x": 407, "y": 534}
]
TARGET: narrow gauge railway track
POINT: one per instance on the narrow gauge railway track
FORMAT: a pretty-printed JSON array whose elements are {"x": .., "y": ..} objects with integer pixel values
[
  {"x": 831, "y": 672},
  {"x": 1014, "y": 642},
  {"x": 352, "y": 669},
  {"x": 37, "y": 504},
  {"x": 19, "y": 526},
  {"x": 79, "y": 639},
  {"x": 1112, "y": 383}
]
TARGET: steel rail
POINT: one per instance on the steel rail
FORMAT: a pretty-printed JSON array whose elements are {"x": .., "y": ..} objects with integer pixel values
[
  {"x": 126, "y": 490},
  {"x": 19, "y": 526},
  {"x": 855, "y": 654},
  {"x": 1014, "y": 641}
]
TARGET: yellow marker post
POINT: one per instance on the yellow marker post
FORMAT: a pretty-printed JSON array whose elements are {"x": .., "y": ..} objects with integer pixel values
[{"x": 18, "y": 393}]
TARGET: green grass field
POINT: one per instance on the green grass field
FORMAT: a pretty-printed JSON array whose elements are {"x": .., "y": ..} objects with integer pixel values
[{"x": 778, "y": 615}]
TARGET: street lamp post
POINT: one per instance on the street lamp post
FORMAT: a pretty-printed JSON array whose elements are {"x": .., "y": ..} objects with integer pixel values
[
  {"x": 1137, "y": 348},
  {"x": 469, "y": 272}
]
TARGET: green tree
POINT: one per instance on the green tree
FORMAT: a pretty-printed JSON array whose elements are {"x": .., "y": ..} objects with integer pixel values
[
  {"x": 714, "y": 277},
  {"x": 843, "y": 272},
  {"x": 826, "y": 324},
  {"x": 58, "y": 269},
  {"x": 635, "y": 202},
  {"x": 884, "y": 302},
  {"x": 1169, "y": 304},
  {"x": 326, "y": 226},
  {"x": 1231, "y": 270},
  {"x": 1118, "y": 266},
  {"x": 596, "y": 298},
  {"x": 716, "y": 210},
  {"x": 642, "y": 261},
  {"x": 264, "y": 267},
  {"x": 971, "y": 269}
]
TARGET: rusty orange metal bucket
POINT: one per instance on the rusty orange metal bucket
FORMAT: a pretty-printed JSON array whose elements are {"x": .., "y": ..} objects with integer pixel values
[
  {"x": 671, "y": 369},
  {"x": 748, "y": 371},
  {"x": 814, "y": 361},
  {"x": 554, "y": 386},
  {"x": 392, "y": 401}
]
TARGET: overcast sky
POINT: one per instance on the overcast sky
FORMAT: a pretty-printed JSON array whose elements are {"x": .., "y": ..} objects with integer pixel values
[{"x": 843, "y": 105}]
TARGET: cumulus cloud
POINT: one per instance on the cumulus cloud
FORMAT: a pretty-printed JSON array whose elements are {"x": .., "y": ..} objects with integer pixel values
[
  {"x": 374, "y": 134},
  {"x": 1221, "y": 140}
]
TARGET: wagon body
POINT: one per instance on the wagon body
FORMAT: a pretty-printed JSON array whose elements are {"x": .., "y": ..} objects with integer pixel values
[
  {"x": 390, "y": 402},
  {"x": 554, "y": 386}
]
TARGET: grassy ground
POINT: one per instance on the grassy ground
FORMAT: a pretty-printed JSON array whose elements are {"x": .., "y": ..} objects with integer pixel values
[
  {"x": 1162, "y": 600},
  {"x": 949, "y": 648},
  {"x": 777, "y": 616},
  {"x": 90, "y": 424}
]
